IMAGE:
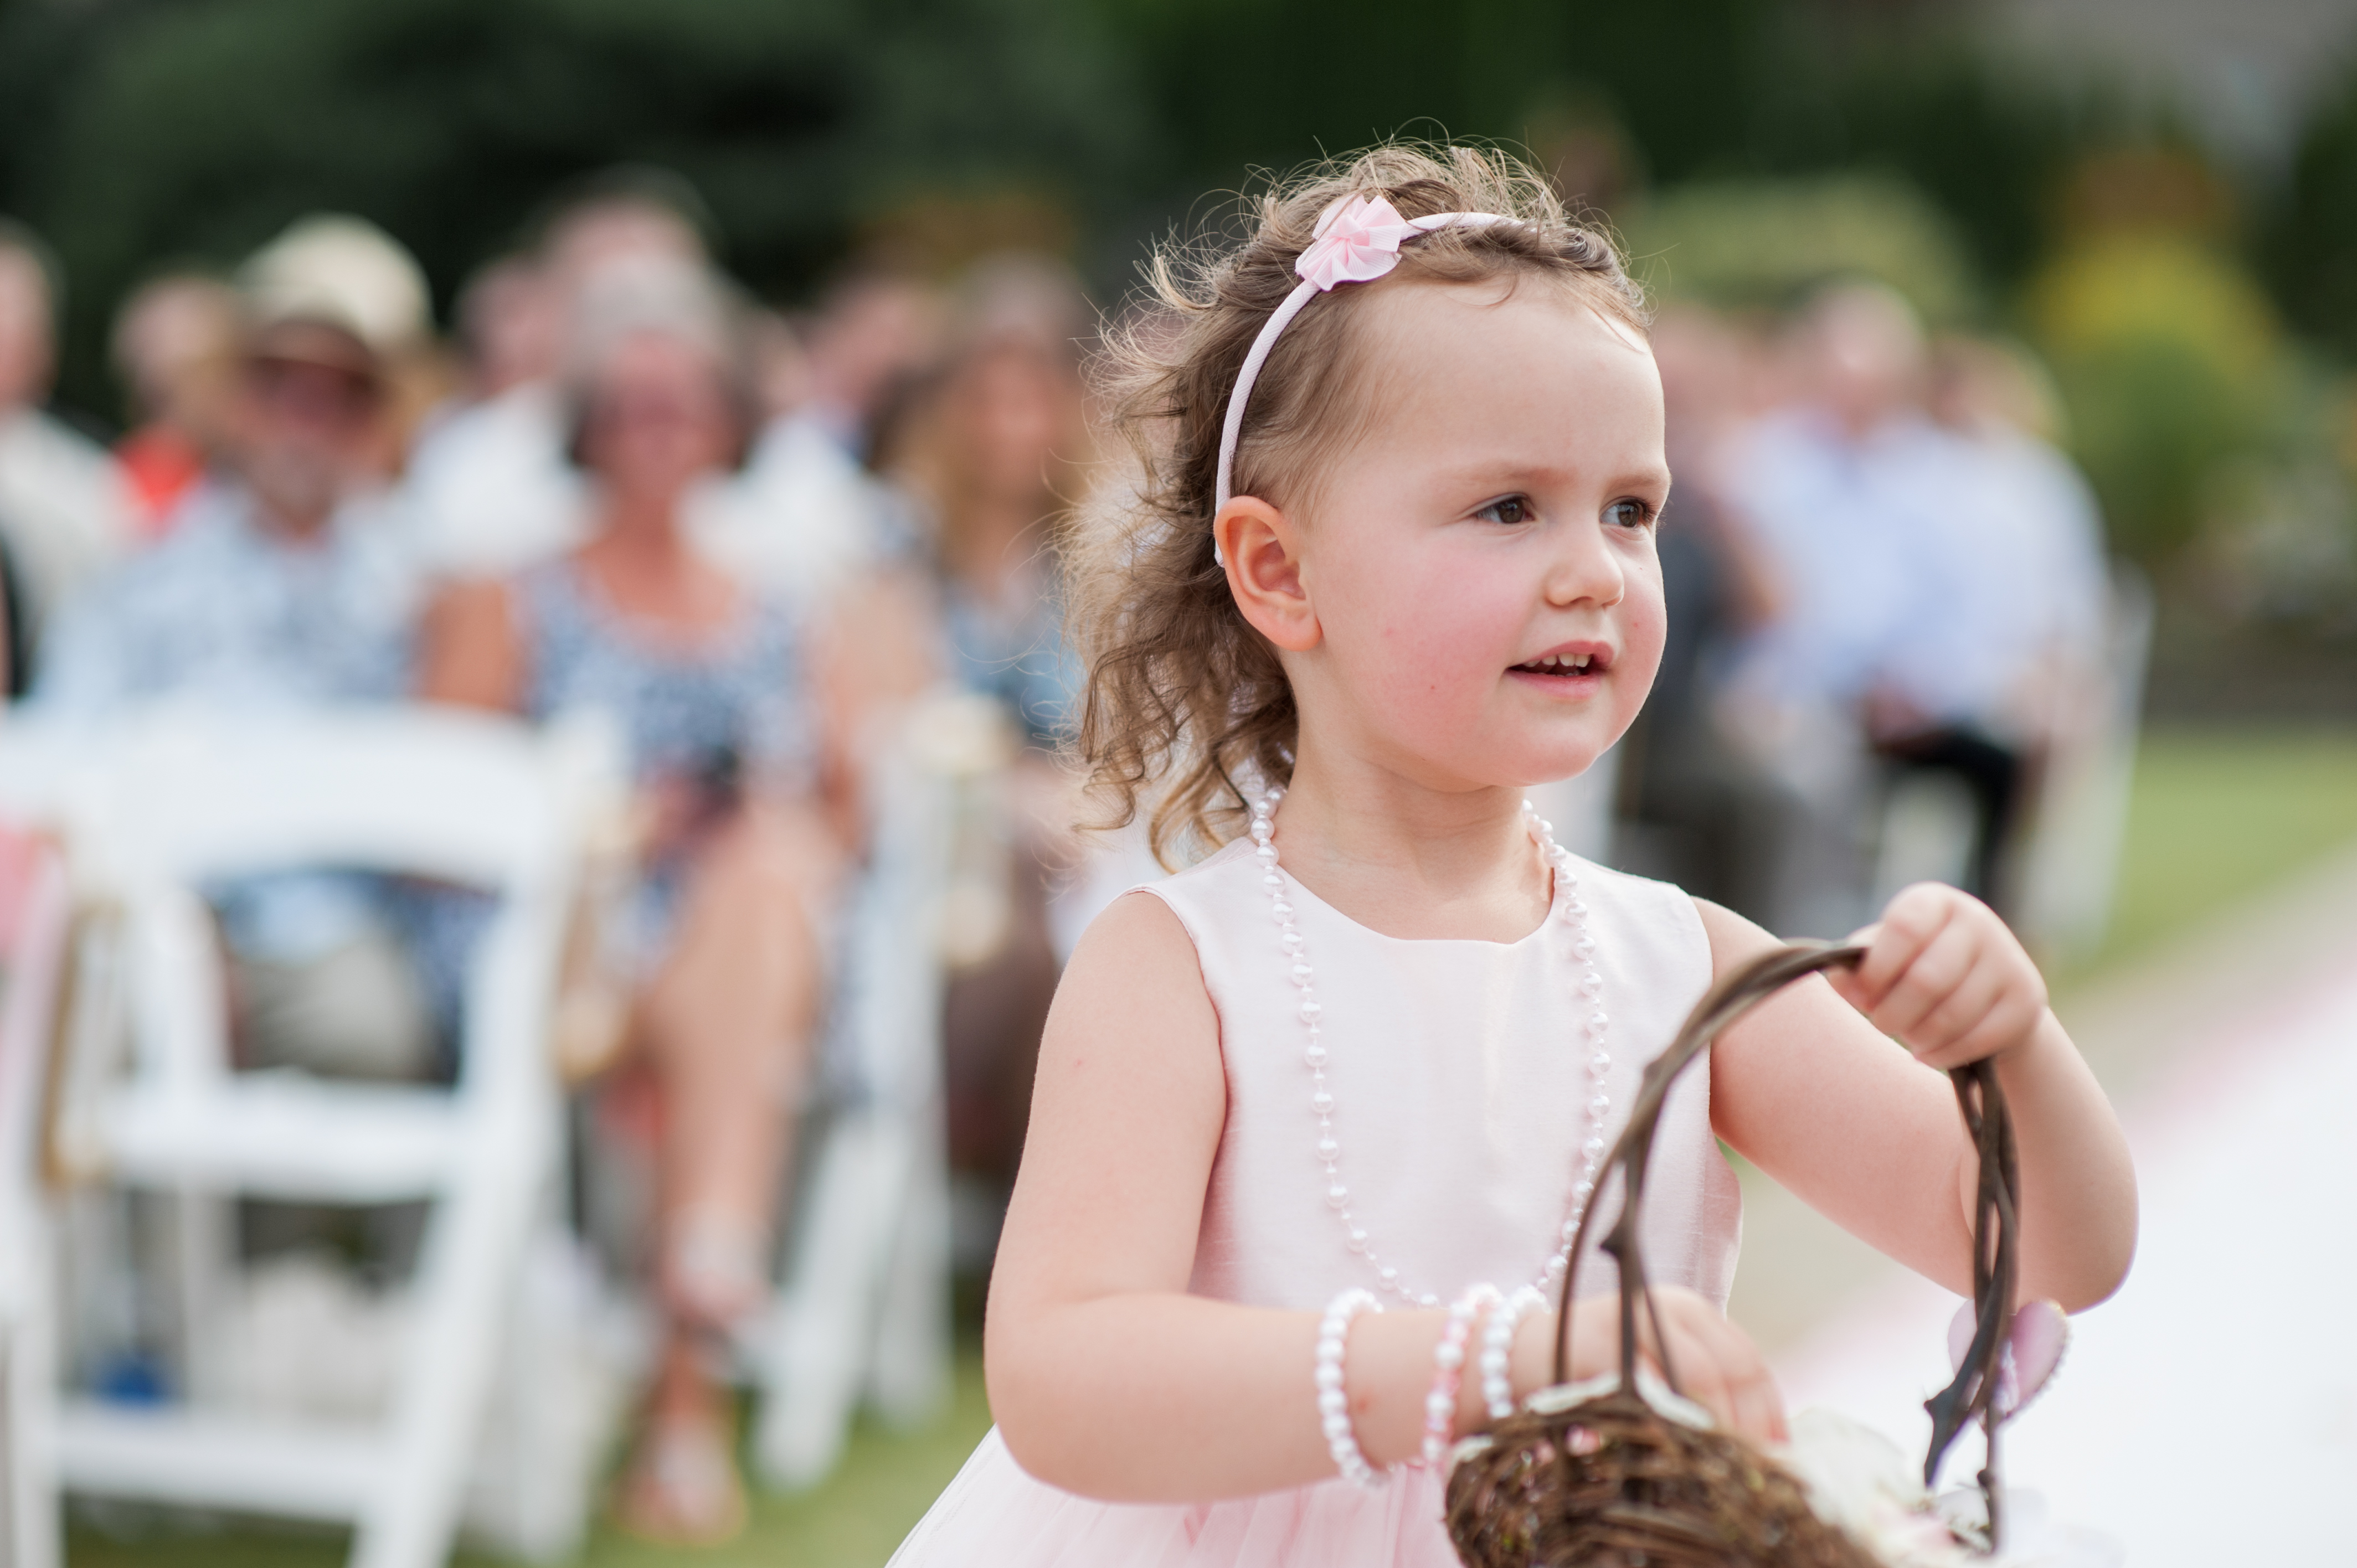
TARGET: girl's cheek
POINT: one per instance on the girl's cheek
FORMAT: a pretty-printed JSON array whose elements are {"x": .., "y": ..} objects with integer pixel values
[
  {"x": 1647, "y": 618},
  {"x": 1443, "y": 631},
  {"x": 1451, "y": 636},
  {"x": 1645, "y": 631}
]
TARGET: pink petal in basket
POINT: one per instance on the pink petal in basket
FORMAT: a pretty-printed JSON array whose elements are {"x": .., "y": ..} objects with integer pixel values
[{"x": 2033, "y": 1349}]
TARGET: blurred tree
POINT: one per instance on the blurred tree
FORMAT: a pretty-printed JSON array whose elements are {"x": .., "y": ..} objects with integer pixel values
[
  {"x": 43, "y": 48},
  {"x": 2311, "y": 245},
  {"x": 140, "y": 131},
  {"x": 2174, "y": 369},
  {"x": 1271, "y": 83},
  {"x": 1761, "y": 243},
  {"x": 1984, "y": 133},
  {"x": 1701, "y": 88}
]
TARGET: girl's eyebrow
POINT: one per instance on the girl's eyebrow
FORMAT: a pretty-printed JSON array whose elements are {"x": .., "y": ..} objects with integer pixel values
[{"x": 1510, "y": 474}]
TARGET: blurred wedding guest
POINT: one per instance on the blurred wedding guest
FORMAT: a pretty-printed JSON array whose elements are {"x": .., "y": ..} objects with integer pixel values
[
  {"x": 488, "y": 488},
  {"x": 175, "y": 348},
  {"x": 2038, "y": 512},
  {"x": 351, "y": 265},
  {"x": 874, "y": 329},
  {"x": 782, "y": 380},
  {"x": 1843, "y": 493},
  {"x": 730, "y": 745},
  {"x": 806, "y": 515},
  {"x": 508, "y": 328},
  {"x": 2003, "y": 658},
  {"x": 284, "y": 585},
  {"x": 64, "y": 512},
  {"x": 992, "y": 445},
  {"x": 1698, "y": 811}
]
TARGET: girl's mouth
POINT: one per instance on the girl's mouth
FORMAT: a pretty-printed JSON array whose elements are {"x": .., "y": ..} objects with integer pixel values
[{"x": 1575, "y": 666}]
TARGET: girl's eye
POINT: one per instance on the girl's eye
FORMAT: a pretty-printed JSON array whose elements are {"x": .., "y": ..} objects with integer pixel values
[
  {"x": 1507, "y": 509},
  {"x": 1629, "y": 514}
]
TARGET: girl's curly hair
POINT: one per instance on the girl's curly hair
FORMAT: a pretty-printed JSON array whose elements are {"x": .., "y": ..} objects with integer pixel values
[{"x": 1183, "y": 696}]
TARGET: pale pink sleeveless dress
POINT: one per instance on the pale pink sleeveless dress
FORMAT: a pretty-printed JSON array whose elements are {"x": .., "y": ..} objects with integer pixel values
[{"x": 1458, "y": 1071}]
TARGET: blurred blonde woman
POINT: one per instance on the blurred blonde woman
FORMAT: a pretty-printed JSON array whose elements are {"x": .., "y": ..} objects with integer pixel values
[{"x": 727, "y": 741}]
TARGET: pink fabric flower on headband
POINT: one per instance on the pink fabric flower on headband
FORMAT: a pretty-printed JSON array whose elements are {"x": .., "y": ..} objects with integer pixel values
[{"x": 1357, "y": 242}]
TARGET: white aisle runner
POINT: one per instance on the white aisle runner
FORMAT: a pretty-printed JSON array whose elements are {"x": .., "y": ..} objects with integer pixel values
[{"x": 2207, "y": 1414}]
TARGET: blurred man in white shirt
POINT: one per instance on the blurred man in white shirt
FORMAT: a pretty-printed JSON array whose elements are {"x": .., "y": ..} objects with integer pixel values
[
  {"x": 1930, "y": 573},
  {"x": 1838, "y": 492}
]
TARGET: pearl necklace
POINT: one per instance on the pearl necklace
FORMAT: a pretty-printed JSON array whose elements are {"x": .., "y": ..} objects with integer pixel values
[{"x": 1321, "y": 1097}]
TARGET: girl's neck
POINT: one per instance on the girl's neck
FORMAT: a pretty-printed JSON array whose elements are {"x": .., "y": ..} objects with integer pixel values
[{"x": 1407, "y": 860}]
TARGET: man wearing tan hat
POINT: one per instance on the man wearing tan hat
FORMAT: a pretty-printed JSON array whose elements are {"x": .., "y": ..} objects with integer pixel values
[{"x": 286, "y": 583}]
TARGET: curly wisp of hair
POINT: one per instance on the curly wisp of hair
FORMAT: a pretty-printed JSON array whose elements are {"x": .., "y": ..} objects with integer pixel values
[{"x": 1184, "y": 699}]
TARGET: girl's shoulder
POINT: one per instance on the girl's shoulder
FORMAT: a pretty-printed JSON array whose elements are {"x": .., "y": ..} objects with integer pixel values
[
  {"x": 1630, "y": 890},
  {"x": 1231, "y": 861},
  {"x": 1633, "y": 911},
  {"x": 1218, "y": 888}
]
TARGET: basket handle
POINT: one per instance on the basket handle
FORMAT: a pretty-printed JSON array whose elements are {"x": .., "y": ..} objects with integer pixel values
[{"x": 1994, "y": 1223}]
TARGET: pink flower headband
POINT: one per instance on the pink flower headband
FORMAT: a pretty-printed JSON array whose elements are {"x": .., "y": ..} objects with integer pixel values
[{"x": 1357, "y": 241}]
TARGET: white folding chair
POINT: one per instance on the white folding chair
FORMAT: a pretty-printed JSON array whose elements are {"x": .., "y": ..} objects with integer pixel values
[
  {"x": 864, "y": 1307},
  {"x": 188, "y": 798},
  {"x": 37, "y": 955},
  {"x": 2071, "y": 863}
]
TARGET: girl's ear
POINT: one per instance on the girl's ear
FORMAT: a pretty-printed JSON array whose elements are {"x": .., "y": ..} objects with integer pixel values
[{"x": 1262, "y": 551}]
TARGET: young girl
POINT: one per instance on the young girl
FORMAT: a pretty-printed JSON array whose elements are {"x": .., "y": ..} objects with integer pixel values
[{"x": 1389, "y": 561}]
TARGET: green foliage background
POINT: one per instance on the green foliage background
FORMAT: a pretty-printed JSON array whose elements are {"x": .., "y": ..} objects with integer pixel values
[
  {"x": 2311, "y": 230},
  {"x": 1759, "y": 144},
  {"x": 138, "y": 132}
]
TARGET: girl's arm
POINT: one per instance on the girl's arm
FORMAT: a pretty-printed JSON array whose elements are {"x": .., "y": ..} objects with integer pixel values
[
  {"x": 1106, "y": 1377},
  {"x": 1813, "y": 1089}
]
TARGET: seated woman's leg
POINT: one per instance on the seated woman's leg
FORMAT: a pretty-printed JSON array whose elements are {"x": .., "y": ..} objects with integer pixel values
[
  {"x": 727, "y": 1021},
  {"x": 726, "y": 1024}
]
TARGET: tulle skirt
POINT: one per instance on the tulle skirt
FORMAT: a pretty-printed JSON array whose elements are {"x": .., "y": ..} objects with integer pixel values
[{"x": 996, "y": 1516}]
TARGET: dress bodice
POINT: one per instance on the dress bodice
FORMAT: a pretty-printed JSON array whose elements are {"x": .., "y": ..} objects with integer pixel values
[{"x": 1458, "y": 1071}]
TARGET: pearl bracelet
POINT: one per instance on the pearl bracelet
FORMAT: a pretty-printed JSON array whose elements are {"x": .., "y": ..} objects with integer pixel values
[
  {"x": 1333, "y": 1397},
  {"x": 1497, "y": 1349},
  {"x": 1448, "y": 1370}
]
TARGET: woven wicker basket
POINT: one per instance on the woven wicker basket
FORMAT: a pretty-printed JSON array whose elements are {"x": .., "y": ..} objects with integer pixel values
[{"x": 1611, "y": 1475}]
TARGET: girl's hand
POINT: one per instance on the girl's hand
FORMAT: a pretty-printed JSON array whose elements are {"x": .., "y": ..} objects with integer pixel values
[
  {"x": 1944, "y": 976},
  {"x": 1719, "y": 1367}
]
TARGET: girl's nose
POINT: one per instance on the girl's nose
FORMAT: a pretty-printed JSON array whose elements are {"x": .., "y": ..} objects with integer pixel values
[{"x": 1585, "y": 569}]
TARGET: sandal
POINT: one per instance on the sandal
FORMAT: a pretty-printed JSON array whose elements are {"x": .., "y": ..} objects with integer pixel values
[{"x": 682, "y": 1488}]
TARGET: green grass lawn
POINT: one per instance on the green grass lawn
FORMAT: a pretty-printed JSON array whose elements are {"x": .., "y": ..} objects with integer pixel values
[
  {"x": 886, "y": 1481},
  {"x": 2217, "y": 816}
]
